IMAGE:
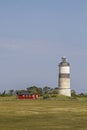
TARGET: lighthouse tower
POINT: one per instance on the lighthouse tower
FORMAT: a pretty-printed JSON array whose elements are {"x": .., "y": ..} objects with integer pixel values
[{"x": 64, "y": 78}]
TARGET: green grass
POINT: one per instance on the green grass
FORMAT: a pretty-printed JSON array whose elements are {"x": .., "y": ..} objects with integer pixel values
[{"x": 43, "y": 114}]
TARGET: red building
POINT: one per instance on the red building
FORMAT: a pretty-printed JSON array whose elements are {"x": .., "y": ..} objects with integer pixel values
[{"x": 26, "y": 95}]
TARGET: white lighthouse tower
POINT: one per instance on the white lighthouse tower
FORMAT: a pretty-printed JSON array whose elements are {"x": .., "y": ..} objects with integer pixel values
[{"x": 64, "y": 78}]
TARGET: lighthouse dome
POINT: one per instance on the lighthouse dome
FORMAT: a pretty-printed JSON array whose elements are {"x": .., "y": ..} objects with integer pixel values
[{"x": 64, "y": 62}]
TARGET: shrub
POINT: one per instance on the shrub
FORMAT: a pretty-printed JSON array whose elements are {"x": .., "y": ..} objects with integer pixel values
[
  {"x": 54, "y": 95},
  {"x": 46, "y": 96}
]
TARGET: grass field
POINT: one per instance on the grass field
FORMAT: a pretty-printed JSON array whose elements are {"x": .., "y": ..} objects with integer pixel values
[{"x": 43, "y": 114}]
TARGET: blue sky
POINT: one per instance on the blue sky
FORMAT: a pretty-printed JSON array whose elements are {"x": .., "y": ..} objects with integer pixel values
[{"x": 34, "y": 35}]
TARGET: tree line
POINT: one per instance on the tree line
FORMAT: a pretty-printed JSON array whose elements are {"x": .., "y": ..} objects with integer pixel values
[
  {"x": 45, "y": 91},
  {"x": 32, "y": 90}
]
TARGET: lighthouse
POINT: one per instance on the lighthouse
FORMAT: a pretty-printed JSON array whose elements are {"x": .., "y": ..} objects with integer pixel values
[{"x": 64, "y": 78}]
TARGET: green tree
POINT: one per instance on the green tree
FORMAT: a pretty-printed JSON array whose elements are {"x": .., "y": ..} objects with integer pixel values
[
  {"x": 34, "y": 89},
  {"x": 55, "y": 91},
  {"x": 3, "y": 94},
  {"x": 46, "y": 90},
  {"x": 73, "y": 93},
  {"x": 11, "y": 92}
]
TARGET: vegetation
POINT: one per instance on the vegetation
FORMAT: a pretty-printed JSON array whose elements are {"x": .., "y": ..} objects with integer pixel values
[
  {"x": 32, "y": 90},
  {"x": 50, "y": 112},
  {"x": 45, "y": 92},
  {"x": 43, "y": 114}
]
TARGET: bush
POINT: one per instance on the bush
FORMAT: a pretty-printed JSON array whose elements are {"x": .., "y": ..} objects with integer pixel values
[
  {"x": 54, "y": 95},
  {"x": 46, "y": 96}
]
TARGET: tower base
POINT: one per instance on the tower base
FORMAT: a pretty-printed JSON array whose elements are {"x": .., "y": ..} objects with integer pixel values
[{"x": 64, "y": 91}]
